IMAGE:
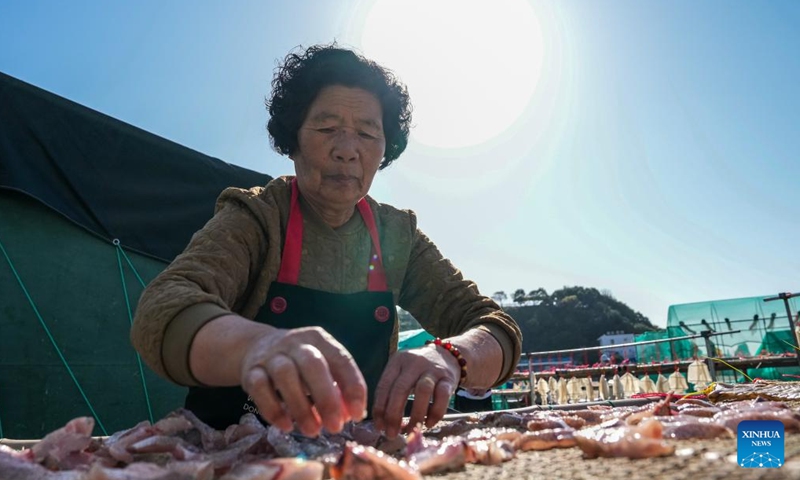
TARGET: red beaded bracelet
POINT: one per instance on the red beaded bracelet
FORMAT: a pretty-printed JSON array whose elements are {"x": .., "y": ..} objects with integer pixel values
[{"x": 454, "y": 350}]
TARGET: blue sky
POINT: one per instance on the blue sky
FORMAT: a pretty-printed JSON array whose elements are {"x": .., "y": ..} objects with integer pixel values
[{"x": 645, "y": 148}]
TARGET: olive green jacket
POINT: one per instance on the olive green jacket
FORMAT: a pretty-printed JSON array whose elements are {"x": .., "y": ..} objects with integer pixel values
[{"x": 229, "y": 264}]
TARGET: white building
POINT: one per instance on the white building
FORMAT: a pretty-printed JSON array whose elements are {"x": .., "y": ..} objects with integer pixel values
[{"x": 617, "y": 338}]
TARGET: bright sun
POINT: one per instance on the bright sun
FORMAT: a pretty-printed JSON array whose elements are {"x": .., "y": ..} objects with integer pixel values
[{"x": 471, "y": 67}]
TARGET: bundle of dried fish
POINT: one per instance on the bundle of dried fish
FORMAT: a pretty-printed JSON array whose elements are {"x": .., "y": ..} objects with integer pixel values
[{"x": 763, "y": 389}]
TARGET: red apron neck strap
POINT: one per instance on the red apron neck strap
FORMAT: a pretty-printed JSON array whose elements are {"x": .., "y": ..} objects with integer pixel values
[
  {"x": 376, "y": 276},
  {"x": 293, "y": 246}
]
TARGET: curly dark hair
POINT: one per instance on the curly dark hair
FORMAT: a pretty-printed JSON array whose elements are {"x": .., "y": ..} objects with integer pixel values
[{"x": 304, "y": 73}]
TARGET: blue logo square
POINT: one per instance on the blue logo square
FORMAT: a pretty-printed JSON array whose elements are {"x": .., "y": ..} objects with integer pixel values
[{"x": 760, "y": 444}]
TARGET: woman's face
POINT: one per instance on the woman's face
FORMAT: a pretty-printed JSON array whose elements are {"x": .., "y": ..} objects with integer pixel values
[{"x": 340, "y": 147}]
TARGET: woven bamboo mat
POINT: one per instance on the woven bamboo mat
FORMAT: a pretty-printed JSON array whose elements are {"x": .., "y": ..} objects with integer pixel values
[{"x": 695, "y": 459}]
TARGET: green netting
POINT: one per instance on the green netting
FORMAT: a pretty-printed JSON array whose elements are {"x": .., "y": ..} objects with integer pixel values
[
  {"x": 664, "y": 351},
  {"x": 763, "y": 327}
]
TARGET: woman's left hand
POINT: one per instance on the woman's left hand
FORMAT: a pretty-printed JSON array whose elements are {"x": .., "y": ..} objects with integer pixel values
[{"x": 430, "y": 373}]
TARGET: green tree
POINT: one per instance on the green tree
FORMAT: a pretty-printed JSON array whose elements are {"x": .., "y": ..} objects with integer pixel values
[
  {"x": 519, "y": 296},
  {"x": 539, "y": 297},
  {"x": 499, "y": 297},
  {"x": 572, "y": 317}
]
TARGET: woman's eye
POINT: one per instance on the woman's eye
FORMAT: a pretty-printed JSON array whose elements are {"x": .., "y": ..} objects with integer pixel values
[
  {"x": 326, "y": 130},
  {"x": 366, "y": 135}
]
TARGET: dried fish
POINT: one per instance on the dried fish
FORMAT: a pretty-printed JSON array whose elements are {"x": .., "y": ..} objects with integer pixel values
[
  {"x": 646, "y": 384},
  {"x": 677, "y": 383},
  {"x": 546, "y": 439},
  {"x": 662, "y": 384},
  {"x": 695, "y": 430},
  {"x": 588, "y": 389},
  {"x": 621, "y": 440},
  {"x": 697, "y": 374},
  {"x": 367, "y": 463},
  {"x": 764, "y": 389},
  {"x": 630, "y": 384},
  {"x": 603, "y": 388},
  {"x": 543, "y": 388}
]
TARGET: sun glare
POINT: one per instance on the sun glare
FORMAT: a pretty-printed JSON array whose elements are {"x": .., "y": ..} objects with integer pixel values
[{"x": 471, "y": 67}]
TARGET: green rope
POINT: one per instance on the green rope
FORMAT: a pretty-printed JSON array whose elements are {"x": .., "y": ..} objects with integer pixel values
[
  {"x": 119, "y": 249},
  {"x": 52, "y": 340},
  {"x": 130, "y": 319}
]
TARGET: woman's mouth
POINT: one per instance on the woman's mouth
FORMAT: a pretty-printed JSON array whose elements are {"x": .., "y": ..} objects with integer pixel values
[{"x": 342, "y": 179}]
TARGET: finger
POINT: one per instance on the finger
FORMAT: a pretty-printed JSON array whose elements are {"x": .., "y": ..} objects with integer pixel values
[
  {"x": 382, "y": 392},
  {"x": 321, "y": 387},
  {"x": 396, "y": 403},
  {"x": 441, "y": 399},
  {"x": 258, "y": 385},
  {"x": 345, "y": 412},
  {"x": 423, "y": 393},
  {"x": 348, "y": 376},
  {"x": 285, "y": 376}
]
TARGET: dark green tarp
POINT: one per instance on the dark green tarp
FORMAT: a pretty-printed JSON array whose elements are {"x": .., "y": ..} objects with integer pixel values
[
  {"x": 413, "y": 339},
  {"x": 110, "y": 177},
  {"x": 73, "y": 180}
]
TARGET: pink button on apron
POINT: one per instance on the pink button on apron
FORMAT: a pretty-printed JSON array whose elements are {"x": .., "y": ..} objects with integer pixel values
[
  {"x": 278, "y": 305},
  {"x": 381, "y": 314}
]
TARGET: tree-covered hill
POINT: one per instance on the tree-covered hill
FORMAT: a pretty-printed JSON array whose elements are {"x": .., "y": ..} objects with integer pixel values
[{"x": 571, "y": 317}]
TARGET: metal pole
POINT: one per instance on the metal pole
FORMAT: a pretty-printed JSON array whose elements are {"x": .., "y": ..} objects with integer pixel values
[
  {"x": 633, "y": 344},
  {"x": 532, "y": 380},
  {"x": 785, "y": 296},
  {"x": 709, "y": 353}
]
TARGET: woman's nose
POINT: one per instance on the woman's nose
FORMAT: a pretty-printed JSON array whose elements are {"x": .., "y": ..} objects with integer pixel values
[{"x": 345, "y": 146}]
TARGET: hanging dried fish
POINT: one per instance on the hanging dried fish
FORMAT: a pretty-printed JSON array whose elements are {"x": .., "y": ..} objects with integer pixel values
[
  {"x": 662, "y": 384},
  {"x": 543, "y": 388},
  {"x": 588, "y": 389},
  {"x": 677, "y": 383},
  {"x": 630, "y": 384},
  {"x": 552, "y": 383},
  {"x": 619, "y": 390},
  {"x": 646, "y": 384},
  {"x": 603, "y": 387},
  {"x": 698, "y": 374},
  {"x": 563, "y": 394},
  {"x": 574, "y": 389}
]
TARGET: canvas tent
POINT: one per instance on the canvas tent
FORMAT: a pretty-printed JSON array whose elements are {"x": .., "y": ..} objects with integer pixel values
[{"x": 91, "y": 209}]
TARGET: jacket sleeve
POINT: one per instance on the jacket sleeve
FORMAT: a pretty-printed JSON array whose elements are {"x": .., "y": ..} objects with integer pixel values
[
  {"x": 207, "y": 280},
  {"x": 437, "y": 295}
]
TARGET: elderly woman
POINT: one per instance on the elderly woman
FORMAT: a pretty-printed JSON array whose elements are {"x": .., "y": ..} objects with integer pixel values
[{"x": 284, "y": 303}]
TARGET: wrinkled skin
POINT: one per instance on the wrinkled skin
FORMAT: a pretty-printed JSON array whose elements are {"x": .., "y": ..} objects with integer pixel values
[
  {"x": 298, "y": 364},
  {"x": 430, "y": 373}
]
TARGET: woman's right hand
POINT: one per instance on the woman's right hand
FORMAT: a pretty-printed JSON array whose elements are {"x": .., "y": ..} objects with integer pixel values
[{"x": 306, "y": 376}]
